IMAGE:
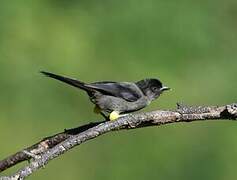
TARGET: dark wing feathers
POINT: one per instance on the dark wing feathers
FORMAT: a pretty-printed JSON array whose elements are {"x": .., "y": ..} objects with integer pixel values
[{"x": 128, "y": 91}]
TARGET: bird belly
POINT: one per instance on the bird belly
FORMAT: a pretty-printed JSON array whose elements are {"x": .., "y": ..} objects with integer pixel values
[{"x": 111, "y": 103}]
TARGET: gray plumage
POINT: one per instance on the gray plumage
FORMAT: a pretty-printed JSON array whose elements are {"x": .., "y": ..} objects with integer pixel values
[{"x": 123, "y": 97}]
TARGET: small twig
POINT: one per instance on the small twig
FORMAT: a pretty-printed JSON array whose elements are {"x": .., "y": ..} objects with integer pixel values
[{"x": 155, "y": 118}]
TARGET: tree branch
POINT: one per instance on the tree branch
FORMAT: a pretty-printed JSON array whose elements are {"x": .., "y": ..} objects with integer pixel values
[
  {"x": 42, "y": 146},
  {"x": 51, "y": 147}
]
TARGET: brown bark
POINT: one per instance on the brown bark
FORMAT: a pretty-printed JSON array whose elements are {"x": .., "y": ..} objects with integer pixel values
[{"x": 51, "y": 147}]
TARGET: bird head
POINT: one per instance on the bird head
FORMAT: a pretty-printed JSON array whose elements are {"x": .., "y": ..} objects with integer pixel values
[{"x": 152, "y": 88}]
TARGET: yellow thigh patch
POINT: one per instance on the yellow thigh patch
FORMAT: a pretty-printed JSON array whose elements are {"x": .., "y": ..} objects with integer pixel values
[{"x": 114, "y": 115}]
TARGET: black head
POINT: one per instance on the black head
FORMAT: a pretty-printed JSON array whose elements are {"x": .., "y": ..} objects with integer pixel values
[{"x": 152, "y": 88}]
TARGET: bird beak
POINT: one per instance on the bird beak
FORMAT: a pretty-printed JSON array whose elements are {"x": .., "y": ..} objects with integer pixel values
[{"x": 164, "y": 88}]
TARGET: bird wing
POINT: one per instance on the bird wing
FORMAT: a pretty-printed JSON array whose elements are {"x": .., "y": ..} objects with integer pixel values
[{"x": 128, "y": 91}]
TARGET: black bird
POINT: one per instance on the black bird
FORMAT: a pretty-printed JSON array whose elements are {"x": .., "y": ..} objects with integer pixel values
[{"x": 117, "y": 98}]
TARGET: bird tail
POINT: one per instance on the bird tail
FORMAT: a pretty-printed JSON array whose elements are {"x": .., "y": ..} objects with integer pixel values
[{"x": 70, "y": 81}]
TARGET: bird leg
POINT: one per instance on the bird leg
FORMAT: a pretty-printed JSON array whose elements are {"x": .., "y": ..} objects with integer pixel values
[
  {"x": 106, "y": 117},
  {"x": 97, "y": 110}
]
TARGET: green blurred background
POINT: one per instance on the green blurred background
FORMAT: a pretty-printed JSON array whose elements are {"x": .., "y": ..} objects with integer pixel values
[{"x": 190, "y": 45}]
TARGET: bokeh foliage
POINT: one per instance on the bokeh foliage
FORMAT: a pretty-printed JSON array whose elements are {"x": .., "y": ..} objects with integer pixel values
[{"x": 190, "y": 45}]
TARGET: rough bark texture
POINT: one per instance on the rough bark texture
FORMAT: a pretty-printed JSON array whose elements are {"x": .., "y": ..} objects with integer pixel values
[
  {"x": 42, "y": 146},
  {"x": 51, "y": 147}
]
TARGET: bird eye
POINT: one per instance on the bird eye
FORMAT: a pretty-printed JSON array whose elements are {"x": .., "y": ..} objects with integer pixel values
[{"x": 154, "y": 89}]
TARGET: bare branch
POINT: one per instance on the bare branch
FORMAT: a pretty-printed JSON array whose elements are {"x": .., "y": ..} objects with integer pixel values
[
  {"x": 42, "y": 146},
  {"x": 155, "y": 118}
]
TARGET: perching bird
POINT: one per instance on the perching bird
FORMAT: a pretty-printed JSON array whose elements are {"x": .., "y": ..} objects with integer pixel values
[{"x": 117, "y": 98}]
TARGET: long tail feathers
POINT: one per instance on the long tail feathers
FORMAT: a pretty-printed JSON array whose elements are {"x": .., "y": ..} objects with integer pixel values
[{"x": 72, "y": 82}]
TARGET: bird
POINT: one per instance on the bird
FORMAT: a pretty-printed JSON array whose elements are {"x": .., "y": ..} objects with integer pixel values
[{"x": 116, "y": 99}]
